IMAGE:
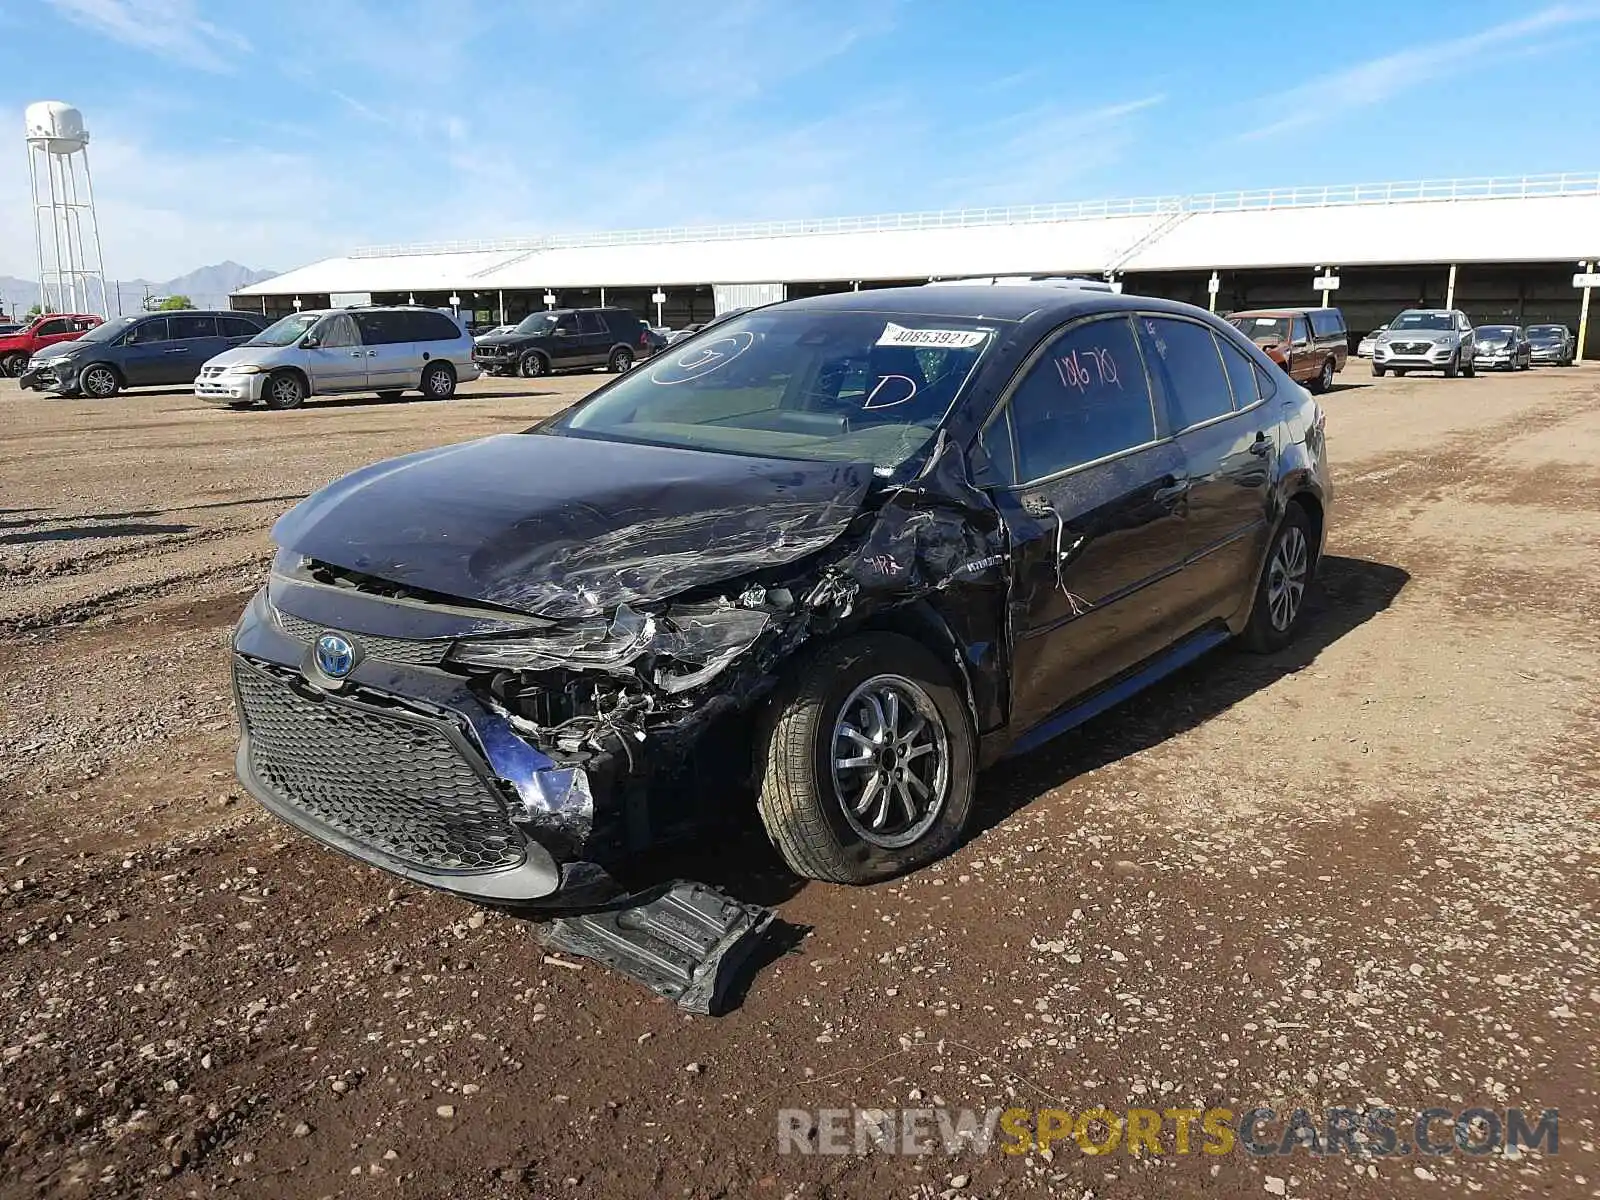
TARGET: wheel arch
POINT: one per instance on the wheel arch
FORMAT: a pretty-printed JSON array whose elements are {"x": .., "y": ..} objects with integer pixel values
[{"x": 122, "y": 380}]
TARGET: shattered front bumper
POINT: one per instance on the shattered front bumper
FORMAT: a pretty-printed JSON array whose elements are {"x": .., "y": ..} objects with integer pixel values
[{"x": 400, "y": 766}]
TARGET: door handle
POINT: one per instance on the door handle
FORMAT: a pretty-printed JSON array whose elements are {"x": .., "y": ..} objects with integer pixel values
[
  {"x": 357, "y": 354},
  {"x": 372, "y": 354},
  {"x": 1261, "y": 447},
  {"x": 1172, "y": 493},
  {"x": 176, "y": 350}
]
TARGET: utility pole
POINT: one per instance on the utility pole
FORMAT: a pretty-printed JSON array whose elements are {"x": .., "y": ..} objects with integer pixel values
[{"x": 1583, "y": 314}]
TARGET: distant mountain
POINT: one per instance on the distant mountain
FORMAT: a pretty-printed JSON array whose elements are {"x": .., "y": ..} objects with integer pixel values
[{"x": 208, "y": 287}]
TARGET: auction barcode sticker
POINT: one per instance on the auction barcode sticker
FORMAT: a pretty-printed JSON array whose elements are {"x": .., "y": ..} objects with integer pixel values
[{"x": 949, "y": 339}]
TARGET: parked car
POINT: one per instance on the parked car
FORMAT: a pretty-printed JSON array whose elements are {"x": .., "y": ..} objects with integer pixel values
[
  {"x": 138, "y": 351},
  {"x": 688, "y": 331},
  {"x": 17, "y": 348},
  {"x": 1310, "y": 344},
  {"x": 565, "y": 338},
  {"x": 885, "y": 538},
  {"x": 1553, "y": 344},
  {"x": 388, "y": 349},
  {"x": 1426, "y": 339},
  {"x": 1501, "y": 348},
  {"x": 1368, "y": 342}
]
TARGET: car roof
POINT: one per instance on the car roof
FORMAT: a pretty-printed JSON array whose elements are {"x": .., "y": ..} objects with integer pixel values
[
  {"x": 1278, "y": 312},
  {"x": 993, "y": 302}
]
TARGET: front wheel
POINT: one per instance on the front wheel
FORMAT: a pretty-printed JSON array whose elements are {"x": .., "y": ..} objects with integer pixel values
[
  {"x": 439, "y": 381},
  {"x": 1452, "y": 368},
  {"x": 285, "y": 389},
  {"x": 99, "y": 382},
  {"x": 1282, "y": 589},
  {"x": 868, "y": 762},
  {"x": 1379, "y": 371},
  {"x": 532, "y": 365},
  {"x": 1469, "y": 369}
]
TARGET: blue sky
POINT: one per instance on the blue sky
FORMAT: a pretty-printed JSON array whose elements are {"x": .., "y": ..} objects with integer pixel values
[{"x": 277, "y": 132}]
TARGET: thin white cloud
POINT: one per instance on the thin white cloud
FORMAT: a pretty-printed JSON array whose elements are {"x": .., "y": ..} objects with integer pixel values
[
  {"x": 1369, "y": 83},
  {"x": 173, "y": 29}
]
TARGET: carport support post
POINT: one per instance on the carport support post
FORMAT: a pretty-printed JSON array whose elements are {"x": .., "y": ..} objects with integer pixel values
[
  {"x": 502, "y": 308},
  {"x": 1450, "y": 289},
  {"x": 1583, "y": 319},
  {"x": 1213, "y": 286}
]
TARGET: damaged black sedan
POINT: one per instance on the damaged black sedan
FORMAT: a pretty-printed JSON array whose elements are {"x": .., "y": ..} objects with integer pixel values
[{"x": 827, "y": 558}]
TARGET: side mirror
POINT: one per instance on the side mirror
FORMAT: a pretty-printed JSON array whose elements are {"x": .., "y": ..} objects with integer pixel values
[
  {"x": 559, "y": 332},
  {"x": 309, "y": 342}
]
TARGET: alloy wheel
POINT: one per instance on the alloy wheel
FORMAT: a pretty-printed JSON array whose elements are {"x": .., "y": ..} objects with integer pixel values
[
  {"x": 99, "y": 381},
  {"x": 1286, "y": 577},
  {"x": 891, "y": 761}
]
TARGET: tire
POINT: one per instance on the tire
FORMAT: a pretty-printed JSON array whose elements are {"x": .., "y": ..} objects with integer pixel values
[
  {"x": 621, "y": 361},
  {"x": 1285, "y": 578},
  {"x": 1400, "y": 372},
  {"x": 99, "y": 381},
  {"x": 1469, "y": 369},
  {"x": 12, "y": 364},
  {"x": 1379, "y": 371},
  {"x": 284, "y": 389},
  {"x": 438, "y": 381},
  {"x": 532, "y": 365},
  {"x": 241, "y": 405},
  {"x": 808, "y": 795},
  {"x": 1324, "y": 379},
  {"x": 391, "y": 394},
  {"x": 1453, "y": 367}
]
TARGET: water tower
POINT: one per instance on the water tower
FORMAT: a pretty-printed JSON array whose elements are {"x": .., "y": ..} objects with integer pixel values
[{"x": 66, "y": 231}]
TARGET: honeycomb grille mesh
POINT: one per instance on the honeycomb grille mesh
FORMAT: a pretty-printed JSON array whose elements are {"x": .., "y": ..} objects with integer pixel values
[
  {"x": 407, "y": 651},
  {"x": 395, "y": 784}
]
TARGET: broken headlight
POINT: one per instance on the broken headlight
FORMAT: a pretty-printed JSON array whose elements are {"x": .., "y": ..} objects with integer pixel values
[{"x": 597, "y": 645}]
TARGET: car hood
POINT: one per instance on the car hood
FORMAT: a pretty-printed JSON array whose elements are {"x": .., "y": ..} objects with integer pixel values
[
  {"x": 243, "y": 355},
  {"x": 1420, "y": 335},
  {"x": 57, "y": 350},
  {"x": 567, "y": 527},
  {"x": 505, "y": 339}
]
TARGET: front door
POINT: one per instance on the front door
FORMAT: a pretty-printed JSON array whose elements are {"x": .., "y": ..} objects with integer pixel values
[
  {"x": 566, "y": 344},
  {"x": 144, "y": 352},
  {"x": 1095, "y": 517},
  {"x": 1225, "y": 429},
  {"x": 338, "y": 362},
  {"x": 596, "y": 338}
]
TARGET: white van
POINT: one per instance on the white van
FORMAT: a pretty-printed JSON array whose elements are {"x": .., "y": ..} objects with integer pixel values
[{"x": 388, "y": 350}]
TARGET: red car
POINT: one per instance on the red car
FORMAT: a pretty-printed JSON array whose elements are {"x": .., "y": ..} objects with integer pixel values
[{"x": 42, "y": 331}]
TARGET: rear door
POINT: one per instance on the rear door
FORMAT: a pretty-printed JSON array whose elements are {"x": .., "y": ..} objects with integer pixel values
[
  {"x": 1214, "y": 407},
  {"x": 566, "y": 346},
  {"x": 387, "y": 335},
  {"x": 194, "y": 339},
  {"x": 1095, "y": 516},
  {"x": 143, "y": 355},
  {"x": 338, "y": 362},
  {"x": 595, "y": 336},
  {"x": 236, "y": 331}
]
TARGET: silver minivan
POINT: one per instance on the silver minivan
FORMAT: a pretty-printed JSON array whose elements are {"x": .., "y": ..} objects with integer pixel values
[{"x": 388, "y": 350}]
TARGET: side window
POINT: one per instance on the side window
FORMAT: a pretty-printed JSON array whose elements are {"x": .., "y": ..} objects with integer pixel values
[
  {"x": 1191, "y": 367},
  {"x": 567, "y": 323},
  {"x": 1087, "y": 398},
  {"x": 1300, "y": 334},
  {"x": 52, "y": 327},
  {"x": 336, "y": 331},
  {"x": 590, "y": 322},
  {"x": 379, "y": 328},
  {"x": 1243, "y": 375},
  {"x": 237, "y": 327},
  {"x": 192, "y": 327},
  {"x": 84, "y": 324},
  {"x": 432, "y": 327},
  {"x": 145, "y": 332},
  {"x": 1266, "y": 384}
]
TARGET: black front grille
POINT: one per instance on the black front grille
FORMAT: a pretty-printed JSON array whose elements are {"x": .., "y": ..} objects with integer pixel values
[
  {"x": 394, "y": 782},
  {"x": 406, "y": 651},
  {"x": 1411, "y": 347}
]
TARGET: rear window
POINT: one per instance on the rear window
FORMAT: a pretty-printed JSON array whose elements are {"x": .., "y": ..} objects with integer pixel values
[
  {"x": 1327, "y": 322},
  {"x": 431, "y": 327}
]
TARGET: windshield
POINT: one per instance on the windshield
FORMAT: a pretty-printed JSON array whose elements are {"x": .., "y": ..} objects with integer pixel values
[
  {"x": 1495, "y": 331},
  {"x": 287, "y": 331},
  {"x": 537, "y": 323},
  {"x": 832, "y": 386},
  {"x": 110, "y": 331},
  {"x": 1263, "y": 329},
  {"x": 1423, "y": 320},
  {"x": 1546, "y": 333}
]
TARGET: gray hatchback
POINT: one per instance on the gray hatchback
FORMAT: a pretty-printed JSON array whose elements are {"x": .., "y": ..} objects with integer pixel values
[{"x": 144, "y": 350}]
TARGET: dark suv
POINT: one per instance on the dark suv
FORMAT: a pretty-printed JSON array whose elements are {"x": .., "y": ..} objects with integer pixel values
[
  {"x": 137, "y": 351},
  {"x": 566, "y": 338},
  {"x": 883, "y": 538}
]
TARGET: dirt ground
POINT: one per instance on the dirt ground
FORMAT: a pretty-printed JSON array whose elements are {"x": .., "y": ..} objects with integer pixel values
[{"x": 1363, "y": 872}]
